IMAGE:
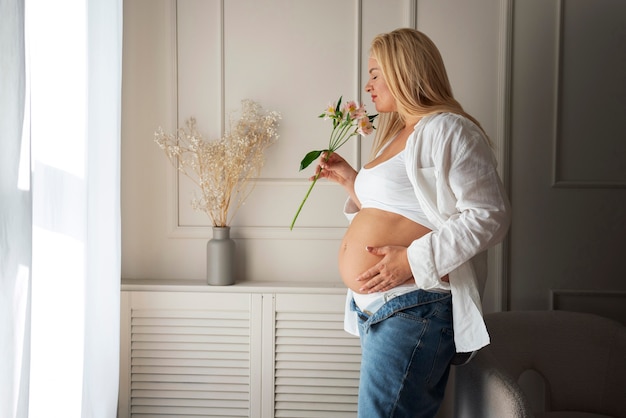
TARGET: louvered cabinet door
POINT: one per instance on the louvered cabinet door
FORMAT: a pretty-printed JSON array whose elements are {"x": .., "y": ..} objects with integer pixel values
[
  {"x": 316, "y": 364},
  {"x": 189, "y": 355}
]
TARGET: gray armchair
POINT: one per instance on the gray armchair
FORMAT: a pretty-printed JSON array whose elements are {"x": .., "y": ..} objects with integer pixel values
[{"x": 547, "y": 364}]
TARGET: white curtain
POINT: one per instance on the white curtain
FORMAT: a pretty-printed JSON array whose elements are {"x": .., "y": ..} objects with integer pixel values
[
  {"x": 60, "y": 210},
  {"x": 15, "y": 216}
]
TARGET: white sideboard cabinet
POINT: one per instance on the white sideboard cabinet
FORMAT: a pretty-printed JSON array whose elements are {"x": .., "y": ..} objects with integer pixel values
[{"x": 239, "y": 351}]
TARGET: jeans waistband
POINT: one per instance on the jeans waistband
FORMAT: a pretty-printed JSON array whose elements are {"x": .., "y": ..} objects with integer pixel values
[{"x": 399, "y": 303}]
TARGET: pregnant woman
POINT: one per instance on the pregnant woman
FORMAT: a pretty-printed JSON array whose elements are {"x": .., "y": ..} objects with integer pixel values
[{"x": 422, "y": 214}]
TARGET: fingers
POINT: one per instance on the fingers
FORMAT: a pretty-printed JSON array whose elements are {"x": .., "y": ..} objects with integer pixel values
[
  {"x": 322, "y": 169},
  {"x": 331, "y": 158},
  {"x": 391, "y": 271},
  {"x": 374, "y": 286},
  {"x": 380, "y": 284},
  {"x": 373, "y": 279},
  {"x": 335, "y": 169},
  {"x": 332, "y": 162},
  {"x": 375, "y": 250},
  {"x": 369, "y": 274},
  {"x": 322, "y": 172}
]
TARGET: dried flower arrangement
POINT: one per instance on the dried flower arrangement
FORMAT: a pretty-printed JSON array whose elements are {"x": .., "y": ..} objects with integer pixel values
[{"x": 226, "y": 169}]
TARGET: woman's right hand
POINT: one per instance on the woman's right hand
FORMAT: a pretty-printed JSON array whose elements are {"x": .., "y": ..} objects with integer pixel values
[{"x": 334, "y": 168}]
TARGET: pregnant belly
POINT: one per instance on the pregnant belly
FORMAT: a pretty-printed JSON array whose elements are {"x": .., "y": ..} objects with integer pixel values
[{"x": 375, "y": 228}]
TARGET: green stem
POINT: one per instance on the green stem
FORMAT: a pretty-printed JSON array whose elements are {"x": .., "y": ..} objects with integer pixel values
[
  {"x": 337, "y": 135},
  {"x": 305, "y": 198},
  {"x": 345, "y": 140}
]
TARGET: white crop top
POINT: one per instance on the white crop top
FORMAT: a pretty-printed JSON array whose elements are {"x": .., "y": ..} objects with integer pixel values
[{"x": 386, "y": 186}]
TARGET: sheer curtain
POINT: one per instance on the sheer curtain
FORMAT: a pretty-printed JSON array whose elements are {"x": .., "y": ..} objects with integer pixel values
[
  {"x": 60, "y": 211},
  {"x": 15, "y": 216}
]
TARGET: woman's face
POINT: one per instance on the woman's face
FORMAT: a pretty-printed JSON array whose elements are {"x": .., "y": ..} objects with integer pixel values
[{"x": 377, "y": 88}]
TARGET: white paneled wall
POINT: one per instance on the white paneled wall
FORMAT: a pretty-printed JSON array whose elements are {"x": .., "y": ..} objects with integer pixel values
[{"x": 202, "y": 57}]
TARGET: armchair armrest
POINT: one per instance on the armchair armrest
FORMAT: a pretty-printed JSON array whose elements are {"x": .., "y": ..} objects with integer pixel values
[{"x": 484, "y": 391}]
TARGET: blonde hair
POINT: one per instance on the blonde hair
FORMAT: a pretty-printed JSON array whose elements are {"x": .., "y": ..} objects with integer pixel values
[{"x": 416, "y": 77}]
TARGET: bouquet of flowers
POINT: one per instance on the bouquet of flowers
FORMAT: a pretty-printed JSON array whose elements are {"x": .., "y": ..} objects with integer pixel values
[
  {"x": 224, "y": 169},
  {"x": 348, "y": 120}
]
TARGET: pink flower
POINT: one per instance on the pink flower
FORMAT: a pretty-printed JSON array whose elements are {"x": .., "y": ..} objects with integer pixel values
[
  {"x": 360, "y": 112},
  {"x": 354, "y": 111},
  {"x": 350, "y": 108},
  {"x": 364, "y": 126}
]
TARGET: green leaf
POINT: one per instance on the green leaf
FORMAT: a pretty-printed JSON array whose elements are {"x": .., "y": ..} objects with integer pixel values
[
  {"x": 309, "y": 158},
  {"x": 338, "y": 105}
]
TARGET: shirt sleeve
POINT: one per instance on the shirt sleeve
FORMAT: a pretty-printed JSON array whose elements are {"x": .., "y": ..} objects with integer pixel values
[{"x": 470, "y": 207}]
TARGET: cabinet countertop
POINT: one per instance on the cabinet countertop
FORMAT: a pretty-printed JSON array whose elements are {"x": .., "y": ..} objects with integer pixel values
[{"x": 182, "y": 285}]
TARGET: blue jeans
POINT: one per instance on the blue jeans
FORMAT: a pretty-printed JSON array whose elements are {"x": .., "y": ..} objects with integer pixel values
[{"x": 406, "y": 349}]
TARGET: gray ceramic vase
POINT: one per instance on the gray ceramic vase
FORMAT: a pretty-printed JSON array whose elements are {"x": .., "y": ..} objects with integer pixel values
[{"x": 220, "y": 258}]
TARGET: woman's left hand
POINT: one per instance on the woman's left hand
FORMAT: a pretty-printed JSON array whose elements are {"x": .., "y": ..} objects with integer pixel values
[{"x": 391, "y": 271}]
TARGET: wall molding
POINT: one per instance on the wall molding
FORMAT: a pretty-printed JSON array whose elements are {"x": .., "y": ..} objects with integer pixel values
[
  {"x": 608, "y": 303},
  {"x": 261, "y": 232},
  {"x": 557, "y": 138},
  {"x": 503, "y": 143},
  {"x": 180, "y": 231}
]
